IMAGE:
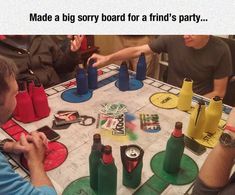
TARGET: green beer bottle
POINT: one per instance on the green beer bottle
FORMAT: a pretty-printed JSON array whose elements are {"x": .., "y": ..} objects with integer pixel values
[
  {"x": 174, "y": 150},
  {"x": 94, "y": 160},
  {"x": 107, "y": 173}
]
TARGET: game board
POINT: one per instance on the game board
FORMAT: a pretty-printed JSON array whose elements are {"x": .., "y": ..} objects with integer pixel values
[{"x": 77, "y": 139}]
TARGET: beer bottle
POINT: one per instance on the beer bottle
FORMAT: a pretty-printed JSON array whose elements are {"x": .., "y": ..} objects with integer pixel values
[
  {"x": 107, "y": 173},
  {"x": 213, "y": 115},
  {"x": 94, "y": 160},
  {"x": 92, "y": 75},
  {"x": 82, "y": 82},
  {"x": 174, "y": 150},
  {"x": 185, "y": 95},
  {"x": 141, "y": 68},
  {"x": 123, "y": 77}
]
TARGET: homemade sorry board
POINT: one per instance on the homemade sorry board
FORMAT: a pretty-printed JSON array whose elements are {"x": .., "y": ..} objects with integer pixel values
[{"x": 76, "y": 140}]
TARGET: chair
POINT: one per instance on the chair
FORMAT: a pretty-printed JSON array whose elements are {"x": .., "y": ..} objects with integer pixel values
[{"x": 229, "y": 97}]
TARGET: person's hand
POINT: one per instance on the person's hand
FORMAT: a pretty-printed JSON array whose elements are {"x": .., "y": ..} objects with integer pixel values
[
  {"x": 41, "y": 135},
  {"x": 99, "y": 59},
  {"x": 35, "y": 148},
  {"x": 18, "y": 148},
  {"x": 14, "y": 147},
  {"x": 76, "y": 41}
]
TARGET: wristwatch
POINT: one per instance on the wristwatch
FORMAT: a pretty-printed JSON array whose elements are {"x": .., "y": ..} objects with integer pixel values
[
  {"x": 2, "y": 142},
  {"x": 227, "y": 138}
]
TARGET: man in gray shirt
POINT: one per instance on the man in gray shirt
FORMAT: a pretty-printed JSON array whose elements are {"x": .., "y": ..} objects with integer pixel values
[{"x": 206, "y": 59}]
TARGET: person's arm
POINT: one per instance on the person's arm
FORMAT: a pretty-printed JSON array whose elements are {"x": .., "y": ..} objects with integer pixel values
[
  {"x": 220, "y": 86},
  {"x": 65, "y": 61},
  {"x": 11, "y": 182},
  {"x": 216, "y": 170},
  {"x": 35, "y": 156},
  {"x": 124, "y": 54}
]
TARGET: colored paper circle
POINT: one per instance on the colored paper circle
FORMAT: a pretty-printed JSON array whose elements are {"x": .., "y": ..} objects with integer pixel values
[
  {"x": 133, "y": 84},
  {"x": 187, "y": 173},
  {"x": 164, "y": 100},
  {"x": 210, "y": 140},
  {"x": 79, "y": 186},
  {"x": 71, "y": 96},
  {"x": 56, "y": 154}
]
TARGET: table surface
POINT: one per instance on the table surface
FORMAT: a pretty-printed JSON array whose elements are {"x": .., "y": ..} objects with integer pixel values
[{"x": 78, "y": 139}]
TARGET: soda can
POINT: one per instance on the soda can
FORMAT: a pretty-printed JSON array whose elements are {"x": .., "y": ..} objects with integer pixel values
[{"x": 132, "y": 160}]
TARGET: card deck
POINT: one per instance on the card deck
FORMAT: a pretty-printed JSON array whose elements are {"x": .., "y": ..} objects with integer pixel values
[
  {"x": 150, "y": 122},
  {"x": 114, "y": 124},
  {"x": 66, "y": 117}
]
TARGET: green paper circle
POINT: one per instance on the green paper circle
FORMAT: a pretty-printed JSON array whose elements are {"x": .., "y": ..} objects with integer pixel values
[
  {"x": 188, "y": 169},
  {"x": 79, "y": 186}
]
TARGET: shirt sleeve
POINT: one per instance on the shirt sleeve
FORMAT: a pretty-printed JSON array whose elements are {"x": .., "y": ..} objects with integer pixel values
[
  {"x": 12, "y": 183},
  {"x": 224, "y": 67}
]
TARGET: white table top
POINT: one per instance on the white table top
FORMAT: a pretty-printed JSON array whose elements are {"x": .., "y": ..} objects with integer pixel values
[{"x": 78, "y": 139}]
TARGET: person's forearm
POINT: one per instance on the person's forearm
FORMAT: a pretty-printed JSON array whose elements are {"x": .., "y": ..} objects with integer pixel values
[
  {"x": 128, "y": 53},
  {"x": 216, "y": 170},
  {"x": 214, "y": 93},
  {"x": 38, "y": 176}
]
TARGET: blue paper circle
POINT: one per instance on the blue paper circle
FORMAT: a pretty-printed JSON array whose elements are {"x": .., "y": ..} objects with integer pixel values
[
  {"x": 72, "y": 96},
  {"x": 133, "y": 84}
]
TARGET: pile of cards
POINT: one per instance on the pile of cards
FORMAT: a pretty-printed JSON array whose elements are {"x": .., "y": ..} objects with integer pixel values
[
  {"x": 150, "y": 123},
  {"x": 112, "y": 117},
  {"x": 113, "y": 110}
]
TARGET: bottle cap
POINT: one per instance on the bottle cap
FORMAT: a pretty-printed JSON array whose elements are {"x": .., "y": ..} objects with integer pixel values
[
  {"x": 107, "y": 149},
  {"x": 96, "y": 138},
  {"x": 107, "y": 155},
  {"x": 178, "y": 129},
  {"x": 216, "y": 98},
  {"x": 188, "y": 79}
]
